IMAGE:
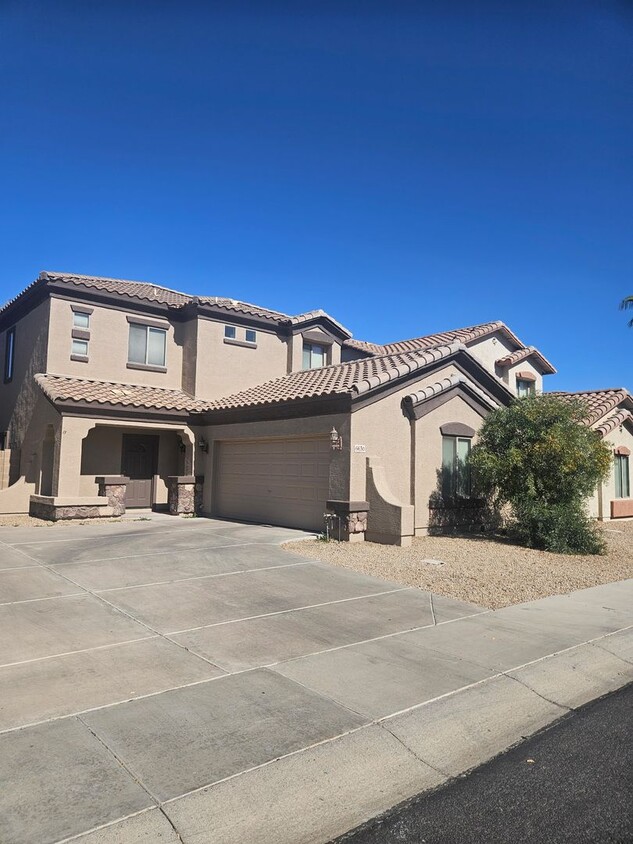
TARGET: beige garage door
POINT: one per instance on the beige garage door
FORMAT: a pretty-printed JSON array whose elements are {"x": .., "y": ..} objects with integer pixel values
[{"x": 276, "y": 481}]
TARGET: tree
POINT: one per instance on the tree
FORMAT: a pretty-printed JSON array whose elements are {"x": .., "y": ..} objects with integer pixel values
[
  {"x": 539, "y": 457},
  {"x": 625, "y": 304}
]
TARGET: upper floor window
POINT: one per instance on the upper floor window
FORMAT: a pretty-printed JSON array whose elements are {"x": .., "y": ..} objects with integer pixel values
[
  {"x": 455, "y": 467},
  {"x": 230, "y": 332},
  {"x": 147, "y": 345},
  {"x": 81, "y": 320},
  {"x": 525, "y": 387},
  {"x": 314, "y": 356},
  {"x": 250, "y": 335},
  {"x": 622, "y": 478},
  {"x": 9, "y": 355}
]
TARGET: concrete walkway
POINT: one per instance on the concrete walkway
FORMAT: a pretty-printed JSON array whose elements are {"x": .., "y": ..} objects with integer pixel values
[{"x": 189, "y": 681}]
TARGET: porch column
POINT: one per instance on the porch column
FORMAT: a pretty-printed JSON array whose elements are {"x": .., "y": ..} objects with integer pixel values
[
  {"x": 67, "y": 462},
  {"x": 181, "y": 494},
  {"x": 189, "y": 441}
]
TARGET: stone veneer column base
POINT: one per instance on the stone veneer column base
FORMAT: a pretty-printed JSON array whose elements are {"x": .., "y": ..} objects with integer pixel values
[
  {"x": 54, "y": 509},
  {"x": 114, "y": 488},
  {"x": 352, "y": 517},
  {"x": 181, "y": 494}
]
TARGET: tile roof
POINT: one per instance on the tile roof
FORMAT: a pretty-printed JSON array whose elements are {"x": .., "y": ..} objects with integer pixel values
[
  {"x": 523, "y": 354},
  {"x": 597, "y": 402},
  {"x": 242, "y": 307},
  {"x": 614, "y": 421},
  {"x": 318, "y": 314},
  {"x": 352, "y": 378},
  {"x": 59, "y": 388},
  {"x": 148, "y": 292},
  {"x": 445, "y": 384},
  {"x": 428, "y": 341},
  {"x": 134, "y": 289}
]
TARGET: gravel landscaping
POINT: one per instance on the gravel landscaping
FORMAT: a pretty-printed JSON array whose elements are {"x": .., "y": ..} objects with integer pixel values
[{"x": 488, "y": 572}]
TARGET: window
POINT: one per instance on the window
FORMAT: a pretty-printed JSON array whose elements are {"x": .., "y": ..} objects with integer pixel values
[
  {"x": 147, "y": 345},
  {"x": 81, "y": 320},
  {"x": 525, "y": 388},
  {"x": 80, "y": 347},
  {"x": 313, "y": 356},
  {"x": 229, "y": 332},
  {"x": 622, "y": 479},
  {"x": 251, "y": 336},
  {"x": 455, "y": 468},
  {"x": 9, "y": 355}
]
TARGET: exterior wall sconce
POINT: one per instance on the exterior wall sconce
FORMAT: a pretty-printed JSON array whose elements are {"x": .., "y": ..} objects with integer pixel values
[
  {"x": 203, "y": 445},
  {"x": 336, "y": 440}
]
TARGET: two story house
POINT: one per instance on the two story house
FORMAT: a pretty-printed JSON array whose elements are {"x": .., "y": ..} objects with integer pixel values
[{"x": 127, "y": 394}]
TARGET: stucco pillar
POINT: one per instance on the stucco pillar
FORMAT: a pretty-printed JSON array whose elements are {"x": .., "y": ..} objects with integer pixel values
[
  {"x": 67, "y": 462},
  {"x": 189, "y": 458}
]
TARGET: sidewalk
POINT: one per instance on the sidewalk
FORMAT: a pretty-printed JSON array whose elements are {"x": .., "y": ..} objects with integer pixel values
[
  {"x": 427, "y": 705},
  {"x": 191, "y": 682}
]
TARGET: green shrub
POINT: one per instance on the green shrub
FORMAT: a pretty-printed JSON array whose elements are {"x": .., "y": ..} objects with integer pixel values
[
  {"x": 560, "y": 528},
  {"x": 539, "y": 456}
]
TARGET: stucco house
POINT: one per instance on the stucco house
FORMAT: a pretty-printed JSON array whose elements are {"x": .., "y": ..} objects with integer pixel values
[{"x": 126, "y": 394}]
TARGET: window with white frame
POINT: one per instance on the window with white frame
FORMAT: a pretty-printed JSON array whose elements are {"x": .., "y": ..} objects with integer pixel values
[
  {"x": 455, "y": 467},
  {"x": 250, "y": 335},
  {"x": 314, "y": 356},
  {"x": 80, "y": 348},
  {"x": 147, "y": 345},
  {"x": 230, "y": 332},
  {"x": 622, "y": 477},
  {"x": 81, "y": 320}
]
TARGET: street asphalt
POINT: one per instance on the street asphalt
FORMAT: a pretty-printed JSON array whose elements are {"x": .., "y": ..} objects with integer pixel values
[{"x": 572, "y": 782}]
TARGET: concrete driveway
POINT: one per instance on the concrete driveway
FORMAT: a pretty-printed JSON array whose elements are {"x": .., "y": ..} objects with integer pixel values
[{"x": 152, "y": 670}]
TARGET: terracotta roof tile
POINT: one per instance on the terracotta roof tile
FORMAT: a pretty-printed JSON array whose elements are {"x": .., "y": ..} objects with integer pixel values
[
  {"x": 134, "y": 289},
  {"x": 614, "y": 421},
  {"x": 598, "y": 402},
  {"x": 352, "y": 378},
  {"x": 242, "y": 307},
  {"x": 523, "y": 354},
  {"x": 445, "y": 384},
  {"x": 308, "y": 315},
  {"x": 457, "y": 335},
  {"x": 59, "y": 388}
]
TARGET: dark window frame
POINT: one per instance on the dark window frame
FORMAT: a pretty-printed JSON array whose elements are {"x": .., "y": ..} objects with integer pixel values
[
  {"x": 622, "y": 476},
  {"x": 456, "y": 477}
]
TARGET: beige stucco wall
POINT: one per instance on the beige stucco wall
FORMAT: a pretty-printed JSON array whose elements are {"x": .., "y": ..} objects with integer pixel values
[
  {"x": 490, "y": 349},
  {"x": 385, "y": 431},
  {"x": 108, "y": 349},
  {"x": 224, "y": 368},
  {"x": 305, "y": 427},
  {"x": 599, "y": 505},
  {"x": 428, "y": 448},
  {"x": 20, "y": 396},
  {"x": 510, "y": 375}
]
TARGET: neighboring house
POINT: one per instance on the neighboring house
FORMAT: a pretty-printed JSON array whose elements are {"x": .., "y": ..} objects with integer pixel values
[
  {"x": 610, "y": 413},
  {"x": 117, "y": 390}
]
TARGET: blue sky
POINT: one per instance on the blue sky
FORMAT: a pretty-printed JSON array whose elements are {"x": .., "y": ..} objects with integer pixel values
[{"x": 407, "y": 166}]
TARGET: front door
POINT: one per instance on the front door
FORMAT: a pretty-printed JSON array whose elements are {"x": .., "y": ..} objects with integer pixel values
[{"x": 139, "y": 465}]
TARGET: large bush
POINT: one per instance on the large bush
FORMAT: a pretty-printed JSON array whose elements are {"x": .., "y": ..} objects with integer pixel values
[{"x": 538, "y": 456}]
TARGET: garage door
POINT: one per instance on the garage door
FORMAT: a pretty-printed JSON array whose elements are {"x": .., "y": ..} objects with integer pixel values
[{"x": 276, "y": 481}]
